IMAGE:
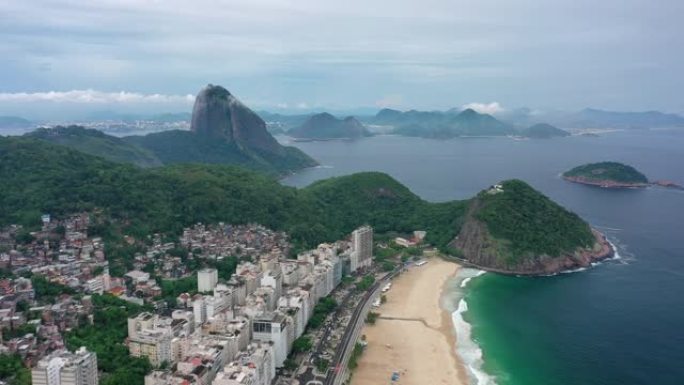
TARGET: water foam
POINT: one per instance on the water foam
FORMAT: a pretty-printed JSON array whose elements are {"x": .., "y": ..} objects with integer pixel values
[{"x": 467, "y": 348}]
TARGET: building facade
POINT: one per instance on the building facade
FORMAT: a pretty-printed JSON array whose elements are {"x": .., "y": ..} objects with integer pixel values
[{"x": 65, "y": 368}]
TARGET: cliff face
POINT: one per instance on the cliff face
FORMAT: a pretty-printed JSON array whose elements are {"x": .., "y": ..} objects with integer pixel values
[
  {"x": 513, "y": 229},
  {"x": 480, "y": 249},
  {"x": 218, "y": 114}
]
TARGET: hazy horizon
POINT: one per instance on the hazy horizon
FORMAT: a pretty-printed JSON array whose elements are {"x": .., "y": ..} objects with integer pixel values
[{"x": 134, "y": 56}]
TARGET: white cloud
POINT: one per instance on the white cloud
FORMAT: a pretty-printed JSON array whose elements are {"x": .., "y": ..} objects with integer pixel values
[
  {"x": 485, "y": 108},
  {"x": 93, "y": 97}
]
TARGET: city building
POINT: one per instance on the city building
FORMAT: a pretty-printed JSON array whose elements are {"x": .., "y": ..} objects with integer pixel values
[
  {"x": 207, "y": 280},
  {"x": 272, "y": 328},
  {"x": 65, "y": 368},
  {"x": 362, "y": 248}
]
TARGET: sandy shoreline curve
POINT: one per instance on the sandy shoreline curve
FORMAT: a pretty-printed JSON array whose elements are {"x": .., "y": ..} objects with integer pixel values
[{"x": 414, "y": 335}]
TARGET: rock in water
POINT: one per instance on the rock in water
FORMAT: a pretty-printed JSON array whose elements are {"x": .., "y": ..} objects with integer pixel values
[{"x": 218, "y": 114}]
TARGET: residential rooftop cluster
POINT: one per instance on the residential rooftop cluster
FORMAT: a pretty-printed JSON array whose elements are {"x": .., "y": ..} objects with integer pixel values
[
  {"x": 237, "y": 330},
  {"x": 247, "y": 324}
]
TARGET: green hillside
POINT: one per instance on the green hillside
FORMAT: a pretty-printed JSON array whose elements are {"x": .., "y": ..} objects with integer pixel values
[
  {"x": 97, "y": 143},
  {"x": 39, "y": 177},
  {"x": 608, "y": 172},
  {"x": 177, "y": 146},
  {"x": 531, "y": 222}
]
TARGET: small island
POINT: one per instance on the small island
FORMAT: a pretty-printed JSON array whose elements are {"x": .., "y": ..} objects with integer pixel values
[{"x": 607, "y": 175}]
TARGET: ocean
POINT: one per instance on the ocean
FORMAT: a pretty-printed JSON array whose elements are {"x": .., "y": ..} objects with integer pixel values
[{"x": 619, "y": 322}]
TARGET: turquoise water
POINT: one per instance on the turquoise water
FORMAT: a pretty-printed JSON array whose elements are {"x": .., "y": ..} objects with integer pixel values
[{"x": 617, "y": 323}]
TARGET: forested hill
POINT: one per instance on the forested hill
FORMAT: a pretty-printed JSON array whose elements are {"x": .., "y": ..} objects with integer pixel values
[
  {"x": 39, "y": 177},
  {"x": 603, "y": 172},
  {"x": 512, "y": 227}
]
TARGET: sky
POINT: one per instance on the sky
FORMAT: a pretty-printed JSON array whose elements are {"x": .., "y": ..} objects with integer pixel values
[{"x": 155, "y": 55}]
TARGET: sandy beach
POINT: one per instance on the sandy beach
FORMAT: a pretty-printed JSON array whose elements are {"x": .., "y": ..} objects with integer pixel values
[{"x": 414, "y": 335}]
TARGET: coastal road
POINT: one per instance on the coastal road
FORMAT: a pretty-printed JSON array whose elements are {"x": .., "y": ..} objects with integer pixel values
[{"x": 339, "y": 365}]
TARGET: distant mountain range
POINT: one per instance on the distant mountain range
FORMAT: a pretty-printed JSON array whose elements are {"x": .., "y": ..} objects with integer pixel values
[
  {"x": 592, "y": 118},
  {"x": 325, "y": 126},
  {"x": 14, "y": 122},
  {"x": 543, "y": 131},
  {"x": 442, "y": 125}
]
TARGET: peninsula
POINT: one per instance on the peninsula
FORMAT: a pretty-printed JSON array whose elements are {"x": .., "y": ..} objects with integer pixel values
[{"x": 511, "y": 228}]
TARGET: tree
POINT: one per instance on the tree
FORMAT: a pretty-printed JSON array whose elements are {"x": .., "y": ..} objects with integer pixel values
[
  {"x": 13, "y": 371},
  {"x": 372, "y": 317},
  {"x": 290, "y": 364},
  {"x": 365, "y": 283},
  {"x": 301, "y": 345}
]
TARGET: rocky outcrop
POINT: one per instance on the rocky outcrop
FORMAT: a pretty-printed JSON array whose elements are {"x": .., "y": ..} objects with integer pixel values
[
  {"x": 218, "y": 114},
  {"x": 667, "y": 184},
  {"x": 480, "y": 250}
]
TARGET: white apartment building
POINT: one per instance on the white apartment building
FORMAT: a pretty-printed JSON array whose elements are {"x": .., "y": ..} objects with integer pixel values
[
  {"x": 362, "y": 248},
  {"x": 207, "y": 280},
  {"x": 65, "y": 368},
  {"x": 272, "y": 328}
]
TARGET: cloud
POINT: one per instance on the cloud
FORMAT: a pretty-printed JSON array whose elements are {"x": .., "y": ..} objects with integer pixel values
[
  {"x": 485, "y": 108},
  {"x": 93, "y": 97}
]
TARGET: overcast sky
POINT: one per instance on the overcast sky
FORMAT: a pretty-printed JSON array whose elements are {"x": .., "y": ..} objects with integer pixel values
[{"x": 341, "y": 54}]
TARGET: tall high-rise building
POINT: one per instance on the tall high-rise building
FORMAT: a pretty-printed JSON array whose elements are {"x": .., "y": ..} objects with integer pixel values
[
  {"x": 65, "y": 368},
  {"x": 207, "y": 280},
  {"x": 362, "y": 247}
]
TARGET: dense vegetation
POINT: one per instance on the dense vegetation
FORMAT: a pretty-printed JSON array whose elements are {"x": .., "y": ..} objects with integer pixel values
[
  {"x": 48, "y": 291},
  {"x": 97, "y": 143},
  {"x": 608, "y": 171},
  {"x": 13, "y": 371},
  {"x": 324, "y": 307},
  {"x": 176, "y": 146},
  {"x": 40, "y": 178},
  {"x": 531, "y": 223},
  {"x": 105, "y": 337}
]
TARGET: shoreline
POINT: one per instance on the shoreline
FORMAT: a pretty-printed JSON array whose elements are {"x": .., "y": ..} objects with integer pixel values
[
  {"x": 553, "y": 266},
  {"x": 414, "y": 335},
  {"x": 609, "y": 184}
]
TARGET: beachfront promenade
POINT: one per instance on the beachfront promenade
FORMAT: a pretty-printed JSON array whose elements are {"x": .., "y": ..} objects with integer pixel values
[{"x": 340, "y": 370}]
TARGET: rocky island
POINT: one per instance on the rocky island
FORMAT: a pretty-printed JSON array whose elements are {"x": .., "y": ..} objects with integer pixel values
[{"x": 607, "y": 175}]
